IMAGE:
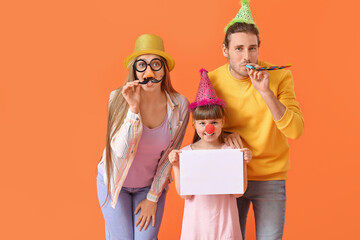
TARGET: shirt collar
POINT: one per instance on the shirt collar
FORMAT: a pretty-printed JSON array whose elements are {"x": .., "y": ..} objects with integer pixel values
[{"x": 171, "y": 99}]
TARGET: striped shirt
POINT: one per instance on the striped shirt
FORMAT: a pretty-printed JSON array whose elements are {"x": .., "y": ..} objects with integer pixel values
[{"x": 124, "y": 145}]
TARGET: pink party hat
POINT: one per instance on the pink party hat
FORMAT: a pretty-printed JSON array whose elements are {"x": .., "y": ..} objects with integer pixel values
[{"x": 206, "y": 93}]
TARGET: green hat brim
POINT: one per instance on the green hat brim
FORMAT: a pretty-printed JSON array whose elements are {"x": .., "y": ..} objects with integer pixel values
[{"x": 235, "y": 20}]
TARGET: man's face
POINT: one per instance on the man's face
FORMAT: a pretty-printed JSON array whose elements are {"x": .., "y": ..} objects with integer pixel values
[{"x": 243, "y": 49}]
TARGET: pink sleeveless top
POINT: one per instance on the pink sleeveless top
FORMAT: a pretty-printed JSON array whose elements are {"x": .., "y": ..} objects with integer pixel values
[{"x": 151, "y": 145}]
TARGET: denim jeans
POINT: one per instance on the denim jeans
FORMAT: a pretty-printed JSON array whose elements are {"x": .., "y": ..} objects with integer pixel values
[
  {"x": 120, "y": 221},
  {"x": 269, "y": 205}
]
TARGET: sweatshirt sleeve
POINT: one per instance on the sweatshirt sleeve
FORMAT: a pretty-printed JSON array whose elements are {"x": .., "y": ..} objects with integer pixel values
[{"x": 292, "y": 122}]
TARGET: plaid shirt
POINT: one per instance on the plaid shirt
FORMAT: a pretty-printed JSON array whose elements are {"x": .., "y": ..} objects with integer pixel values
[{"x": 124, "y": 145}]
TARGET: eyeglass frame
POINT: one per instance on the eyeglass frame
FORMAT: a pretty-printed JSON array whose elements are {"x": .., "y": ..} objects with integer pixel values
[{"x": 148, "y": 64}]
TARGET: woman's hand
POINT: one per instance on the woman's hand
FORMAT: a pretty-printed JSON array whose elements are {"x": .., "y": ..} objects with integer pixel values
[
  {"x": 148, "y": 211},
  {"x": 233, "y": 140},
  {"x": 247, "y": 154},
  {"x": 174, "y": 157},
  {"x": 131, "y": 93}
]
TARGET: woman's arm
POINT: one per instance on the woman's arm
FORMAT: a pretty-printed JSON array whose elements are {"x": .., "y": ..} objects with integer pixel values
[
  {"x": 163, "y": 171},
  {"x": 122, "y": 146}
]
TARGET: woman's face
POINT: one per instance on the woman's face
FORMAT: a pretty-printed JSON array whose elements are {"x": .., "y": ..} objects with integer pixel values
[{"x": 149, "y": 67}]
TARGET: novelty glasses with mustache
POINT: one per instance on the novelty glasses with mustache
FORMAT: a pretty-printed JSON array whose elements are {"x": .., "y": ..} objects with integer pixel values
[{"x": 155, "y": 64}]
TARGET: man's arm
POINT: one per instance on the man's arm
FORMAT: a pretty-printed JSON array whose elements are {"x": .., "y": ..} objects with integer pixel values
[
  {"x": 276, "y": 108},
  {"x": 284, "y": 108}
]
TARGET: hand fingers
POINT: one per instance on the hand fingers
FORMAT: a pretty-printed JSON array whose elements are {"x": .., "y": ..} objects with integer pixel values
[
  {"x": 232, "y": 144},
  {"x": 175, "y": 151},
  {"x": 153, "y": 220},
  {"x": 148, "y": 219},
  {"x": 247, "y": 154},
  {"x": 138, "y": 220},
  {"x": 130, "y": 85},
  {"x": 174, "y": 156},
  {"x": 137, "y": 208},
  {"x": 126, "y": 89},
  {"x": 235, "y": 140},
  {"x": 229, "y": 141},
  {"x": 226, "y": 141},
  {"x": 244, "y": 150},
  {"x": 239, "y": 142},
  {"x": 143, "y": 221}
]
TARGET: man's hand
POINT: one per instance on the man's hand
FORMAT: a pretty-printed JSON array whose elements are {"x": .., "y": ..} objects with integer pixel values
[
  {"x": 261, "y": 82},
  {"x": 233, "y": 140},
  {"x": 148, "y": 211},
  {"x": 259, "y": 79}
]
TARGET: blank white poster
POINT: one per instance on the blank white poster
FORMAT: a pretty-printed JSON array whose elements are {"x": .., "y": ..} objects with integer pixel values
[{"x": 218, "y": 171}]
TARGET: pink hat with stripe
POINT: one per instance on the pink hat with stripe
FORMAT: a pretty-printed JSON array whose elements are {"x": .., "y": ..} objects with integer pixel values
[{"x": 206, "y": 94}]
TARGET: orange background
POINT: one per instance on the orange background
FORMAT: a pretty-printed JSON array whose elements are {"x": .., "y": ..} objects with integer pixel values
[{"x": 61, "y": 59}]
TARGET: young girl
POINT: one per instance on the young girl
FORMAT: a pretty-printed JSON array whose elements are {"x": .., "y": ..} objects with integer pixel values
[{"x": 208, "y": 217}]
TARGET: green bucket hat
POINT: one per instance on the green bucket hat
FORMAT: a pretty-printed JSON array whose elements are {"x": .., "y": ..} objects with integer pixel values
[{"x": 243, "y": 16}]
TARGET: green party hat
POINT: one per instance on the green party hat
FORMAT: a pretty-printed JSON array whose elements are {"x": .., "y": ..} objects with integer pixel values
[{"x": 244, "y": 15}]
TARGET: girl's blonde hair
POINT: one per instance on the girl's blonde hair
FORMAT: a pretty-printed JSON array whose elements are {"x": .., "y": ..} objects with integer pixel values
[
  {"x": 117, "y": 111},
  {"x": 208, "y": 112}
]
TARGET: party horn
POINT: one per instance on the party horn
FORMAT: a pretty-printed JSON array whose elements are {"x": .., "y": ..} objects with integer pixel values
[{"x": 268, "y": 68}]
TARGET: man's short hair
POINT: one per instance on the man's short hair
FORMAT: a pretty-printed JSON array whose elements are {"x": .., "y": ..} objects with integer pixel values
[{"x": 240, "y": 27}]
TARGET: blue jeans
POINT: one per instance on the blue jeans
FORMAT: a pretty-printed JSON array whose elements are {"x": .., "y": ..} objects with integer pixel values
[
  {"x": 269, "y": 205},
  {"x": 120, "y": 221}
]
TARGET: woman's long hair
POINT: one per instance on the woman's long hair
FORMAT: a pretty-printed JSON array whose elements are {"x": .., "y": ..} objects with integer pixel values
[
  {"x": 208, "y": 112},
  {"x": 118, "y": 108}
]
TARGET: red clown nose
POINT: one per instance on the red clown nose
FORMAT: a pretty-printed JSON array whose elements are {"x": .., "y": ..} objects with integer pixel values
[{"x": 209, "y": 128}]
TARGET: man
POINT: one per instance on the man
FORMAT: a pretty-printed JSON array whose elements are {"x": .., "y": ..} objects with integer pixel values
[{"x": 262, "y": 110}]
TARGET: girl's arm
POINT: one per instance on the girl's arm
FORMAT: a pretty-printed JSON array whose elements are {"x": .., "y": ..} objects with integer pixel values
[
  {"x": 247, "y": 159},
  {"x": 245, "y": 181},
  {"x": 174, "y": 160}
]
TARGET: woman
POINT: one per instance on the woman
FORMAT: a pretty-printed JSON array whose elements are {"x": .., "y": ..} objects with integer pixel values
[{"x": 147, "y": 119}]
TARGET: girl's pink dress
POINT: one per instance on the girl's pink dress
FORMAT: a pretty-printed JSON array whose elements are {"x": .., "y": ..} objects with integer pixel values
[{"x": 210, "y": 217}]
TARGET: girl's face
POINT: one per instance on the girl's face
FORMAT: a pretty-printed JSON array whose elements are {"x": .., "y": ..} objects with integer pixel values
[{"x": 200, "y": 126}]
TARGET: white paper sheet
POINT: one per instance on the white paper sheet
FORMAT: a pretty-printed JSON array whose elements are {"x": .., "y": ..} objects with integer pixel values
[{"x": 218, "y": 171}]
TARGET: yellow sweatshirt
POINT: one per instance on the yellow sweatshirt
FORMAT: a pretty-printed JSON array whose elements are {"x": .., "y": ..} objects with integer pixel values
[{"x": 248, "y": 115}]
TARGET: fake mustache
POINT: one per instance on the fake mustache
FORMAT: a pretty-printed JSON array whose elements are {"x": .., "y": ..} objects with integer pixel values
[{"x": 153, "y": 80}]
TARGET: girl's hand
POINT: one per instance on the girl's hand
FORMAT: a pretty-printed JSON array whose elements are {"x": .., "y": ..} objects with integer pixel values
[
  {"x": 247, "y": 154},
  {"x": 237, "y": 195},
  {"x": 131, "y": 93},
  {"x": 148, "y": 211},
  {"x": 174, "y": 157},
  {"x": 187, "y": 197},
  {"x": 233, "y": 140}
]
